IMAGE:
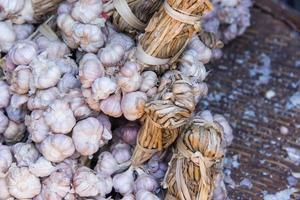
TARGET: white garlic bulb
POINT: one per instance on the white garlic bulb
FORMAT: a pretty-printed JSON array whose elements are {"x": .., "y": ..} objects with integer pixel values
[
  {"x": 86, "y": 11},
  {"x": 25, "y": 154},
  {"x": 107, "y": 133},
  {"x": 5, "y": 158},
  {"x": 120, "y": 39},
  {"x": 129, "y": 79},
  {"x": 59, "y": 117},
  {"x": 123, "y": 183},
  {"x": 145, "y": 195},
  {"x": 56, "y": 148},
  {"x": 56, "y": 49},
  {"x": 90, "y": 68},
  {"x": 106, "y": 163},
  {"x": 25, "y": 15},
  {"x": 103, "y": 87},
  {"x": 105, "y": 184},
  {"x": 112, "y": 105},
  {"x": 86, "y": 136},
  {"x": 4, "y": 193},
  {"x": 64, "y": 7},
  {"x": 56, "y": 186},
  {"x": 149, "y": 81},
  {"x": 89, "y": 37},
  {"x": 46, "y": 73},
  {"x": 14, "y": 132},
  {"x": 43, "y": 98},
  {"x": 133, "y": 104},
  {"x": 111, "y": 55},
  {"x": 65, "y": 22},
  {"x": 67, "y": 65},
  {"x": 202, "y": 52},
  {"x": 11, "y": 7},
  {"x": 121, "y": 152},
  {"x": 93, "y": 104},
  {"x": 21, "y": 183},
  {"x": 41, "y": 167},
  {"x": 21, "y": 78},
  {"x": 68, "y": 82},
  {"x": 16, "y": 110},
  {"x": 4, "y": 94},
  {"x": 23, "y": 31},
  {"x": 7, "y": 37},
  {"x": 199, "y": 90},
  {"x": 23, "y": 52},
  {"x": 228, "y": 136},
  {"x": 3, "y": 122},
  {"x": 145, "y": 182},
  {"x": 37, "y": 126},
  {"x": 128, "y": 197}
]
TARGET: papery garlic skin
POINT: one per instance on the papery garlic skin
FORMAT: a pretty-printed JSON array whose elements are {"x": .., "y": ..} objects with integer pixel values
[
  {"x": 14, "y": 132},
  {"x": 41, "y": 167},
  {"x": 4, "y": 193},
  {"x": 4, "y": 94},
  {"x": 228, "y": 132},
  {"x": 11, "y": 7},
  {"x": 25, "y": 154},
  {"x": 23, "y": 52},
  {"x": 86, "y": 11},
  {"x": 133, "y": 104},
  {"x": 6, "y": 158},
  {"x": 129, "y": 79},
  {"x": 65, "y": 22},
  {"x": 26, "y": 14},
  {"x": 105, "y": 184},
  {"x": 3, "y": 122},
  {"x": 64, "y": 7},
  {"x": 145, "y": 182},
  {"x": 56, "y": 49},
  {"x": 145, "y": 195},
  {"x": 111, "y": 55},
  {"x": 59, "y": 117},
  {"x": 16, "y": 110},
  {"x": 120, "y": 39},
  {"x": 23, "y": 31},
  {"x": 106, "y": 163},
  {"x": 89, "y": 37},
  {"x": 91, "y": 102},
  {"x": 56, "y": 148},
  {"x": 43, "y": 98},
  {"x": 123, "y": 183},
  {"x": 90, "y": 68},
  {"x": 7, "y": 37},
  {"x": 21, "y": 183},
  {"x": 68, "y": 82},
  {"x": 86, "y": 136},
  {"x": 21, "y": 77},
  {"x": 36, "y": 126},
  {"x": 103, "y": 87},
  {"x": 112, "y": 105}
]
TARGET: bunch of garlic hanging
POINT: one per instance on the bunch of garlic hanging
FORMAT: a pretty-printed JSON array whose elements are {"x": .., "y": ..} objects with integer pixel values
[
  {"x": 80, "y": 23},
  {"x": 113, "y": 84},
  {"x": 228, "y": 20}
]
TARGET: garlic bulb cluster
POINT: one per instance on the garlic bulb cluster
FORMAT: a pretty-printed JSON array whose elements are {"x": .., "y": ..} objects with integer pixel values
[{"x": 80, "y": 23}]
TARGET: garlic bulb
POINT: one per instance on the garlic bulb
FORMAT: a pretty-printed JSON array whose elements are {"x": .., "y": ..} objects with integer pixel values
[
  {"x": 93, "y": 104},
  {"x": 86, "y": 136},
  {"x": 3, "y": 122},
  {"x": 4, "y": 193},
  {"x": 111, "y": 55},
  {"x": 149, "y": 81},
  {"x": 90, "y": 68},
  {"x": 56, "y": 148},
  {"x": 65, "y": 22},
  {"x": 23, "y": 31},
  {"x": 56, "y": 186},
  {"x": 120, "y": 39},
  {"x": 25, "y": 154},
  {"x": 112, "y": 105},
  {"x": 128, "y": 197},
  {"x": 220, "y": 192},
  {"x": 5, "y": 158},
  {"x": 89, "y": 37},
  {"x": 41, "y": 168},
  {"x": 23, "y": 52},
  {"x": 228, "y": 136},
  {"x": 11, "y": 7},
  {"x": 105, "y": 184},
  {"x": 59, "y": 117},
  {"x": 107, "y": 133},
  {"x": 201, "y": 52},
  {"x": 56, "y": 49},
  {"x": 7, "y": 37},
  {"x": 121, "y": 152},
  {"x": 43, "y": 98},
  {"x": 145, "y": 182},
  {"x": 67, "y": 66},
  {"x": 21, "y": 183},
  {"x": 16, "y": 110},
  {"x": 64, "y": 7},
  {"x": 129, "y": 79},
  {"x": 103, "y": 87},
  {"x": 86, "y": 11},
  {"x": 133, "y": 104},
  {"x": 123, "y": 183},
  {"x": 106, "y": 163},
  {"x": 25, "y": 15},
  {"x": 46, "y": 73},
  {"x": 156, "y": 168},
  {"x": 87, "y": 183},
  {"x": 199, "y": 90},
  {"x": 14, "y": 132},
  {"x": 128, "y": 133},
  {"x": 68, "y": 82},
  {"x": 145, "y": 195},
  {"x": 4, "y": 94},
  {"x": 21, "y": 78}
]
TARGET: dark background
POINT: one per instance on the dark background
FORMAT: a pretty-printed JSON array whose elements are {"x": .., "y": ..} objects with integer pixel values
[{"x": 293, "y": 3}]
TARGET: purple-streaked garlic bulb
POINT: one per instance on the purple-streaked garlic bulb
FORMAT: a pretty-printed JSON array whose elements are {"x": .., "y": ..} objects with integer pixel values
[{"x": 128, "y": 133}]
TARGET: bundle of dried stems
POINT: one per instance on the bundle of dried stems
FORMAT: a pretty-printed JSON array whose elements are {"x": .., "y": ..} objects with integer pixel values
[
  {"x": 170, "y": 29},
  {"x": 196, "y": 162},
  {"x": 133, "y": 15},
  {"x": 43, "y": 7},
  {"x": 169, "y": 110}
]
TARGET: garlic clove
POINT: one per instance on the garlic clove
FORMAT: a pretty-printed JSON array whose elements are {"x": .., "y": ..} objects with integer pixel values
[
  {"x": 145, "y": 182},
  {"x": 25, "y": 154},
  {"x": 41, "y": 167},
  {"x": 56, "y": 148},
  {"x": 86, "y": 136},
  {"x": 129, "y": 78},
  {"x": 133, "y": 104},
  {"x": 103, "y": 87}
]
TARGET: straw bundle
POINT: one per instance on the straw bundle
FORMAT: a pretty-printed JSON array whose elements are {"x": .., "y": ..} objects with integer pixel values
[
  {"x": 168, "y": 111},
  {"x": 133, "y": 15},
  {"x": 42, "y": 7},
  {"x": 197, "y": 161},
  {"x": 170, "y": 29}
]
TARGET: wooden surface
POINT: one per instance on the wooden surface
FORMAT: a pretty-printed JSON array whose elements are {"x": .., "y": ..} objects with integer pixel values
[{"x": 266, "y": 58}]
